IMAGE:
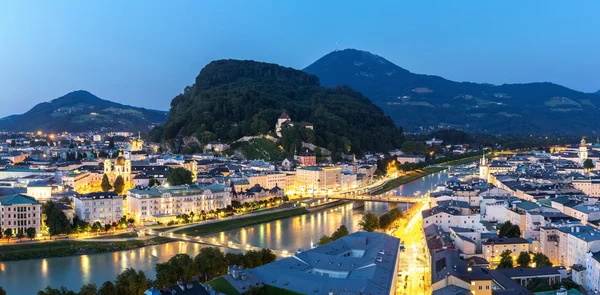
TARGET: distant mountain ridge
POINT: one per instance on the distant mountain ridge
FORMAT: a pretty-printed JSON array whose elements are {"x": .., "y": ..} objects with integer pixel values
[
  {"x": 81, "y": 111},
  {"x": 420, "y": 102}
]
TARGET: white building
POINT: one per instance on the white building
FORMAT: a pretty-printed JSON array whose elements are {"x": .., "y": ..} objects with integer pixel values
[
  {"x": 316, "y": 180},
  {"x": 450, "y": 217},
  {"x": 103, "y": 207},
  {"x": 592, "y": 272},
  {"x": 165, "y": 203},
  {"x": 410, "y": 159},
  {"x": 19, "y": 212}
]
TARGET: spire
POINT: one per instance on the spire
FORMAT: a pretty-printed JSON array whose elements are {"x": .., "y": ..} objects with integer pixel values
[{"x": 139, "y": 136}]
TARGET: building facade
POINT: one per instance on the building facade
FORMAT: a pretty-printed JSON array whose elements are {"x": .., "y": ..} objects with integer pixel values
[
  {"x": 165, "y": 203},
  {"x": 105, "y": 208},
  {"x": 20, "y": 212}
]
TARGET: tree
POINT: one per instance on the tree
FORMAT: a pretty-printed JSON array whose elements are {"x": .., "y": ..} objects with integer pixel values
[
  {"x": 8, "y": 233},
  {"x": 325, "y": 239},
  {"x": 541, "y": 260},
  {"x": 369, "y": 222},
  {"x": 56, "y": 220},
  {"x": 153, "y": 182},
  {"x": 211, "y": 262},
  {"x": 509, "y": 230},
  {"x": 20, "y": 235},
  {"x": 341, "y": 232},
  {"x": 179, "y": 176},
  {"x": 505, "y": 259},
  {"x": 31, "y": 233},
  {"x": 108, "y": 288},
  {"x": 61, "y": 291},
  {"x": 523, "y": 259},
  {"x": 88, "y": 289},
  {"x": 105, "y": 184},
  {"x": 2, "y": 291},
  {"x": 131, "y": 282},
  {"x": 180, "y": 266},
  {"x": 107, "y": 227},
  {"x": 96, "y": 226},
  {"x": 588, "y": 165},
  {"x": 119, "y": 185}
]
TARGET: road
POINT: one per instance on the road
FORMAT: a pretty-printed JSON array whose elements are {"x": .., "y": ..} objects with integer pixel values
[{"x": 412, "y": 262}]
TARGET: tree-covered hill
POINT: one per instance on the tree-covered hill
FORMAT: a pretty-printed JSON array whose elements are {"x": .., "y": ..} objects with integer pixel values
[
  {"x": 425, "y": 102},
  {"x": 81, "y": 111},
  {"x": 234, "y": 98}
]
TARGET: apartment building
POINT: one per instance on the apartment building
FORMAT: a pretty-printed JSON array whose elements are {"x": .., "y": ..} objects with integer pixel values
[
  {"x": 165, "y": 203},
  {"x": 318, "y": 179},
  {"x": 20, "y": 212},
  {"x": 105, "y": 208}
]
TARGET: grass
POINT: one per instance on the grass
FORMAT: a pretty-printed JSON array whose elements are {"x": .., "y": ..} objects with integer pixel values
[
  {"x": 69, "y": 248},
  {"x": 259, "y": 148},
  {"x": 119, "y": 236},
  {"x": 238, "y": 223},
  {"x": 222, "y": 285}
]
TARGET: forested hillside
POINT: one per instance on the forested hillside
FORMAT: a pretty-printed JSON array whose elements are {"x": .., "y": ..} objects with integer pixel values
[{"x": 233, "y": 98}]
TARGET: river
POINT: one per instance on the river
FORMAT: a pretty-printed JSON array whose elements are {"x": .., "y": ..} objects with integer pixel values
[{"x": 29, "y": 276}]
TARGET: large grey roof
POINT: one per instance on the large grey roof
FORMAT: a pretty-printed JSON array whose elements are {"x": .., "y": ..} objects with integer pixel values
[{"x": 360, "y": 273}]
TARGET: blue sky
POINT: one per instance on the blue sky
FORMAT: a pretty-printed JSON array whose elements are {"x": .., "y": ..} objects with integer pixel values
[{"x": 144, "y": 53}]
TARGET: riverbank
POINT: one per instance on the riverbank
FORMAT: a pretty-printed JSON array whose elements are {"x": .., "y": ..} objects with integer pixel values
[
  {"x": 416, "y": 174},
  {"x": 239, "y": 222},
  {"x": 70, "y": 248}
]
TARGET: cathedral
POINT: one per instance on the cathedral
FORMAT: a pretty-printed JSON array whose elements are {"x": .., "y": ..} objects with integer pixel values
[{"x": 120, "y": 166}]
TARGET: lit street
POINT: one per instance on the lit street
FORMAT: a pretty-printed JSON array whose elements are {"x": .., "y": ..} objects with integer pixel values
[{"x": 413, "y": 263}]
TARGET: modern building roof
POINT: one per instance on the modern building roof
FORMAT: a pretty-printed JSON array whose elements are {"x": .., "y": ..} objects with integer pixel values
[
  {"x": 17, "y": 199},
  {"x": 362, "y": 263}
]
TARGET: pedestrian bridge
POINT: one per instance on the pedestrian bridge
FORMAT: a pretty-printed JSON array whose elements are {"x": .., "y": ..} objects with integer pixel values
[
  {"x": 378, "y": 198},
  {"x": 214, "y": 242}
]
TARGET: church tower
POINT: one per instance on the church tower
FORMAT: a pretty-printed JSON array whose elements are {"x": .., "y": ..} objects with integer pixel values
[
  {"x": 583, "y": 150},
  {"x": 483, "y": 168}
]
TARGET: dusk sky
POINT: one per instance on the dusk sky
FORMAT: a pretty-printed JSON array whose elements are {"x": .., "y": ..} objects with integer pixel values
[{"x": 143, "y": 53}]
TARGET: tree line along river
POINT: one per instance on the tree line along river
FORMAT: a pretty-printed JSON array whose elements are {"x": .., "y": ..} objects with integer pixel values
[{"x": 29, "y": 276}]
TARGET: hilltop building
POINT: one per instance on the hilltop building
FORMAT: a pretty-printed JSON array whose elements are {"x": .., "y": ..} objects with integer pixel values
[{"x": 284, "y": 119}]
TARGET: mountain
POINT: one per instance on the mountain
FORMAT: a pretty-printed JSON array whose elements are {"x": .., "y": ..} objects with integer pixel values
[
  {"x": 234, "y": 98},
  {"x": 81, "y": 111},
  {"x": 424, "y": 102}
]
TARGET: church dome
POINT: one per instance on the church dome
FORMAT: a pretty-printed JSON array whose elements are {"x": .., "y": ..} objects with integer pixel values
[{"x": 120, "y": 160}]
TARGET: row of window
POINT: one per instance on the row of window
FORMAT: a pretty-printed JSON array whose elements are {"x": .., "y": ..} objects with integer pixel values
[
  {"x": 20, "y": 222},
  {"x": 20, "y": 215}
]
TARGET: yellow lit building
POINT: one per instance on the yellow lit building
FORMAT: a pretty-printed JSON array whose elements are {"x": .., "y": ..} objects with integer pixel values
[
  {"x": 317, "y": 180},
  {"x": 120, "y": 167}
]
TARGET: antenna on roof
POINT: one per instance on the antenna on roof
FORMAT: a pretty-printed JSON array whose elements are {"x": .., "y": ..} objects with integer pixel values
[{"x": 336, "y": 46}]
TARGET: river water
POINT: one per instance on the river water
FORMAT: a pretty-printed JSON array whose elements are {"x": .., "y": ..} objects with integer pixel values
[{"x": 29, "y": 276}]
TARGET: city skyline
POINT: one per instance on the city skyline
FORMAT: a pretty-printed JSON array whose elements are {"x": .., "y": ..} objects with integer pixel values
[{"x": 145, "y": 56}]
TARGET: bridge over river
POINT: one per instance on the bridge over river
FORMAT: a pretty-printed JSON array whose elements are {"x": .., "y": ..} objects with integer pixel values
[
  {"x": 214, "y": 242},
  {"x": 380, "y": 198}
]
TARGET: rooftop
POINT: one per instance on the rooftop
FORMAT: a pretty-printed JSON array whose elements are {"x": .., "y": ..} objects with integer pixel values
[{"x": 360, "y": 262}]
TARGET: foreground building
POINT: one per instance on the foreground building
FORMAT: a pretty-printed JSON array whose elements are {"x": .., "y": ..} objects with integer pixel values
[
  {"x": 360, "y": 263},
  {"x": 165, "y": 203},
  {"x": 20, "y": 212}
]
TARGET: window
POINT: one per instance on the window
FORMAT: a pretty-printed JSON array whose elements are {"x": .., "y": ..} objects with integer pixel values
[{"x": 480, "y": 288}]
